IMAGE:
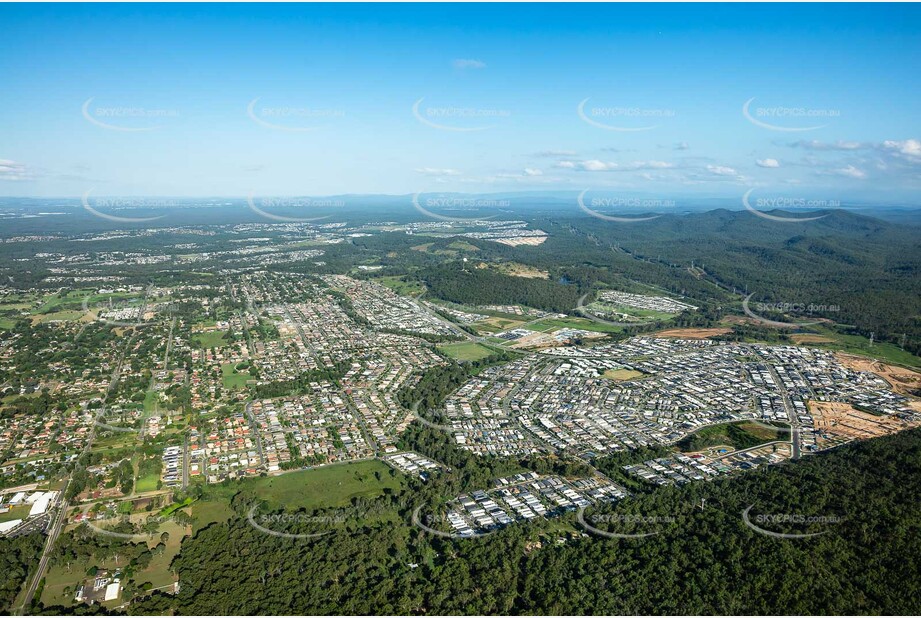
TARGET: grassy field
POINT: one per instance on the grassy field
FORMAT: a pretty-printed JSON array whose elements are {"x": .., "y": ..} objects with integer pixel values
[
  {"x": 855, "y": 344},
  {"x": 151, "y": 402},
  {"x": 215, "y": 508},
  {"x": 210, "y": 339},
  {"x": 401, "y": 285},
  {"x": 324, "y": 487},
  {"x": 740, "y": 435},
  {"x": 232, "y": 378},
  {"x": 465, "y": 351},
  {"x": 147, "y": 482},
  {"x": 59, "y": 316},
  {"x": 580, "y": 323},
  {"x": 17, "y": 512},
  {"x": 622, "y": 375},
  {"x": 463, "y": 245},
  {"x": 327, "y": 486}
]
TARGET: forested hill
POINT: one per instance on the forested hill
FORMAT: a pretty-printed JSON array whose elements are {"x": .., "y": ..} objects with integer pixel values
[
  {"x": 704, "y": 559},
  {"x": 866, "y": 269}
]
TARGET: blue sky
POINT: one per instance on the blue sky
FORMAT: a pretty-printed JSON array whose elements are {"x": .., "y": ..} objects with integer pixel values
[{"x": 228, "y": 100}]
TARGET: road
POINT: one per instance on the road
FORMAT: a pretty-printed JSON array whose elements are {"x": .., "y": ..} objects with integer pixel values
[
  {"x": 791, "y": 413},
  {"x": 63, "y": 503},
  {"x": 248, "y": 410}
]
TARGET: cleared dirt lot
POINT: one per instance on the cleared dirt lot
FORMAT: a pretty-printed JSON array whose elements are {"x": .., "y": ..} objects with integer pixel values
[
  {"x": 902, "y": 380},
  {"x": 844, "y": 420}
]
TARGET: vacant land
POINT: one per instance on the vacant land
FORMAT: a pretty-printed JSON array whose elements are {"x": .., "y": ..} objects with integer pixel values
[
  {"x": 494, "y": 324},
  {"x": 148, "y": 482},
  {"x": 844, "y": 420},
  {"x": 738, "y": 436},
  {"x": 232, "y": 378},
  {"x": 462, "y": 245},
  {"x": 213, "y": 508},
  {"x": 327, "y": 486},
  {"x": 522, "y": 270},
  {"x": 904, "y": 381},
  {"x": 402, "y": 285},
  {"x": 623, "y": 375},
  {"x": 856, "y": 344},
  {"x": 466, "y": 351},
  {"x": 210, "y": 339}
]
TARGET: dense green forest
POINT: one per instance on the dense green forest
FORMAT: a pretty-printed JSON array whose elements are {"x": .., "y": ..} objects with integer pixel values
[
  {"x": 18, "y": 557},
  {"x": 483, "y": 287},
  {"x": 704, "y": 559}
]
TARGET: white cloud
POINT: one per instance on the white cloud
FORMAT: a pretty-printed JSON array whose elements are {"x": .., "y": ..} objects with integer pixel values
[
  {"x": 568, "y": 165},
  {"x": 817, "y": 145},
  {"x": 768, "y": 163},
  {"x": 909, "y": 148},
  {"x": 722, "y": 170},
  {"x": 469, "y": 63},
  {"x": 907, "y": 151},
  {"x": 556, "y": 153},
  {"x": 851, "y": 172},
  {"x": 11, "y": 170},
  {"x": 594, "y": 165},
  {"x": 434, "y": 171},
  {"x": 681, "y": 146},
  {"x": 530, "y": 171}
]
